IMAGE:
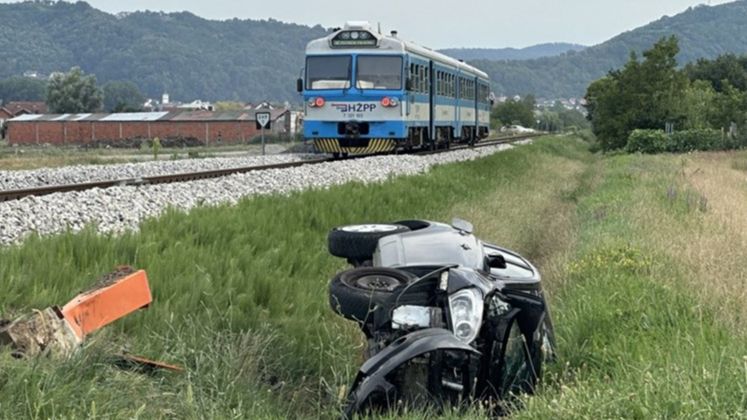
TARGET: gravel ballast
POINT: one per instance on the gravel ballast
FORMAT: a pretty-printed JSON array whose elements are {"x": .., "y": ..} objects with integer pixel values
[
  {"x": 21, "y": 180},
  {"x": 120, "y": 209}
]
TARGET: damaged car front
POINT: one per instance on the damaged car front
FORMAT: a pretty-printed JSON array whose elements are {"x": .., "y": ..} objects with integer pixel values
[{"x": 447, "y": 318}]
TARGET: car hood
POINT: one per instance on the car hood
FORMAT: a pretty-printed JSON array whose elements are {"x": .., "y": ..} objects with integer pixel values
[{"x": 436, "y": 245}]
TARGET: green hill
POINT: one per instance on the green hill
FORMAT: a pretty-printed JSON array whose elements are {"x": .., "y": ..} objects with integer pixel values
[
  {"x": 528, "y": 53},
  {"x": 179, "y": 53},
  {"x": 703, "y": 31},
  {"x": 250, "y": 60}
]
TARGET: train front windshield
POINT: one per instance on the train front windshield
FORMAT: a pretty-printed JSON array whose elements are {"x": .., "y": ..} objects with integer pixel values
[
  {"x": 373, "y": 72},
  {"x": 329, "y": 72},
  {"x": 379, "y": 72}
]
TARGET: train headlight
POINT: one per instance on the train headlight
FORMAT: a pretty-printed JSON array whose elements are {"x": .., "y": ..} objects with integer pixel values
[
  {"x": 466, "y": 314},
  {"x": 317, "y": 102},
  {"x": 388, "y": 102},
  {"x": 355, "y": 35}
]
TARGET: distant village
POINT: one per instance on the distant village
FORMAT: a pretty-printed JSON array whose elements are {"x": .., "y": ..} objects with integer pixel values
[{"x": 198, "y": 121}]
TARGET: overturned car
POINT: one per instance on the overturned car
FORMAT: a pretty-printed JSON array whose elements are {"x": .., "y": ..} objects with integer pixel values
[{"x": 448, "y": 319}]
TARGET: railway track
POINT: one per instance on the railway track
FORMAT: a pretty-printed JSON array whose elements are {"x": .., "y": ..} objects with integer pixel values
[{"x": 10, "y": 195}]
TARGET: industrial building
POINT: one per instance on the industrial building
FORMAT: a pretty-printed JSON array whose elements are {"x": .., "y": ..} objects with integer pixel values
[{"x": 198, "y": 127}]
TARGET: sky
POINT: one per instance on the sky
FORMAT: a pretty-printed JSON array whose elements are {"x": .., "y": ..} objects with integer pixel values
[{"x": 440, "y": 24}]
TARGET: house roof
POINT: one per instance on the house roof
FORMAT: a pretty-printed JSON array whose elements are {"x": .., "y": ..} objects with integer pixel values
[{"x": 25, "y": 107}]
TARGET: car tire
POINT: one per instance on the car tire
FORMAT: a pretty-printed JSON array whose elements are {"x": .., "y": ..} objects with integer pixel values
[
  {"x": 355, "y": 293},
  {"x": 358, "y": 242}
]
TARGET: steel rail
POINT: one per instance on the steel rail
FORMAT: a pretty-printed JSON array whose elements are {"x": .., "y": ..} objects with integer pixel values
[{"x": 10, "y": 195}]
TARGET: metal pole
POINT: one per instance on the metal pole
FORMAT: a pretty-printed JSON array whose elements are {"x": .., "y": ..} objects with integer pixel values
[{"x": 263, "y": 140}]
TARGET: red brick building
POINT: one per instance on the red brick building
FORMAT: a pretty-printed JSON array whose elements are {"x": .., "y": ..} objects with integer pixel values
[{"x": 196, "y": 127}]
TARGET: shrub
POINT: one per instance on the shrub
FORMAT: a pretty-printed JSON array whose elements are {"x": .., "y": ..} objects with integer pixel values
[
  {"x": 656, "y": 141},
  {"x": 691, "y": 140},
  {"x": 647, "y": 141}
]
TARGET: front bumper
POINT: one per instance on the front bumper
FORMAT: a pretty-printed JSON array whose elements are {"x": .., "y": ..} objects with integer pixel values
[
  {"x": 355, "y": 146},
  {"x": 372, "y": 375}
]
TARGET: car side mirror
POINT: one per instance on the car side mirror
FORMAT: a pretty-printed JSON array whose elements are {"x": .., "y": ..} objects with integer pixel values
[
  {"x": 299, "y": 85},
  {"x": 496, "y": 261},
  {"x": 408, "y": 84},
  {"x": 462, "y": 225}
]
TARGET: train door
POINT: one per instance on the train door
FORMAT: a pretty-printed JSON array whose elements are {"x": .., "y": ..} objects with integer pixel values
[
  {"x": 432, "y": 102},
  {"x": 477, "y": 108},
  {"x": 458, "y": 94}
]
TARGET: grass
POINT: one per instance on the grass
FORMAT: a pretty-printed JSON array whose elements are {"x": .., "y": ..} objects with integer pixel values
[
  {"x": 642, "y": 329},
  {"x": 35, "y": 157},
  {"x": 240, "y": 293}
]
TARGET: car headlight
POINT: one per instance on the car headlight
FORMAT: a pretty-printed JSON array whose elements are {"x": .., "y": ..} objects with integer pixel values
[
  {"x": 466, "y": 314},
  {"x": 407, "y": 316}
]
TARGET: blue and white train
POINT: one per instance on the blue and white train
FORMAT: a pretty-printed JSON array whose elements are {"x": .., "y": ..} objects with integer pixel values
[{"x": 366, "y": 93}]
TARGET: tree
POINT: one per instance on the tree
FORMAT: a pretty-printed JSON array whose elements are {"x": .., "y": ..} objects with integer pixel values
[
  {"x": 122, "y": 97},
  {"x": 698, "y": 105},
  {"x": 22, "y": 89},
  {"x": 73, "y": 92},
  {"x": 726, "y": 69},
  {"x": 643, "y": 95},
  {"x": 519, "y": 112}
]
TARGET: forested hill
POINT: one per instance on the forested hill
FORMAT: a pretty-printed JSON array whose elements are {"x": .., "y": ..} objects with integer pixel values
[
  {"x": 179, "y": 53},
  {"x": 528, "y": 53},
  {"x": 190, "y": 57},
  {"x": 703, "y": 32}
]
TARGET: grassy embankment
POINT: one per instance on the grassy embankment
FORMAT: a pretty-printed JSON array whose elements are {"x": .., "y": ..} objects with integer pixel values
[{"x": 643, "y": 272}]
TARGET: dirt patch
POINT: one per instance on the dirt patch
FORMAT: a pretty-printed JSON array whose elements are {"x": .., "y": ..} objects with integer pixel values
[{"x": 111, "y": 278}]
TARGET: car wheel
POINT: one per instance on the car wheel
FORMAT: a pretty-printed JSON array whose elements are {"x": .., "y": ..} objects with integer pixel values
[
  {"x": 358, "y": 242},
  {"x": 355, "y": 293}
]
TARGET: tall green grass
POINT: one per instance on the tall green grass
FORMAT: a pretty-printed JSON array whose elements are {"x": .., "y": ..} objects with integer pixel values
[
  {"x": 637, "y": 340},
  {"x": 240, "y": 299}
]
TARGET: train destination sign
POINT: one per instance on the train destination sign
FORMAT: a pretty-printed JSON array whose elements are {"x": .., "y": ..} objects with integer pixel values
[{"x": 355, "y": 39}]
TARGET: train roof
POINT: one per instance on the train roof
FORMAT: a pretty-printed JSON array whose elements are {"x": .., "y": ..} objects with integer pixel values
[{"x": 386, "y": 44}]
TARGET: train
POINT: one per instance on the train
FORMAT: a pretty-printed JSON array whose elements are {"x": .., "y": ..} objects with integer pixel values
[{"x": 366, "y": 93}]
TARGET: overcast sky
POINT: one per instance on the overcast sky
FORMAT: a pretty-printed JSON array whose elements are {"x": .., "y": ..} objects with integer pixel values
[{"x": 464, "y": 23}]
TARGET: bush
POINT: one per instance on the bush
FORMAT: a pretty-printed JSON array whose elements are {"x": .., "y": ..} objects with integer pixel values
[
  {"x": 691, "y": 140},
  {"x": 647, "y": 141},
  {"x": 656, "y": 141}
]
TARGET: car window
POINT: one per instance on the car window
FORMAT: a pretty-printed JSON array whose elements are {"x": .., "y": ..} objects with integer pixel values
[{"x": 516, "y": 268}]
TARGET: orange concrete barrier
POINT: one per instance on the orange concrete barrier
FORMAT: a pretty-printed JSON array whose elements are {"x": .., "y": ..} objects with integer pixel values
[{"x": 117, "y": 295}]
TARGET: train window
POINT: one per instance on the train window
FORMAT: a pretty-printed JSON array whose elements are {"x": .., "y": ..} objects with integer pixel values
[
  {"x": 427, "y": 74},
  {"x": 423, "y": 80},
  {"x": 415, "y": 77},
  {"x": 423, "y": 84},
  {"x": 330, "y": 72},
  {"x": 379, "y": 72}
]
